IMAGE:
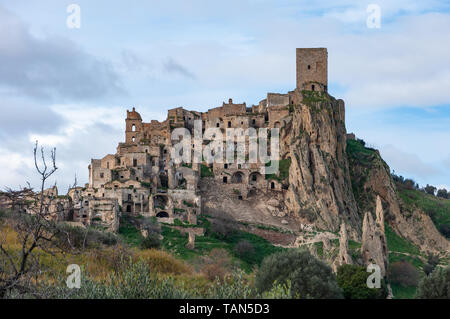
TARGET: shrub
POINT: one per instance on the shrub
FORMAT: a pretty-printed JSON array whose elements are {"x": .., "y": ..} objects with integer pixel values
[
  {"x": 151, "y": 241},
  {"x": 445, "y": 230},
  {"x": 432, "y": 262},
  {"x": 236, "y": 286},
  {"x": 221, "y": 229},
  {"x": 132, "y": 281},
  {"x": 150, "y": 225},
  {"x": 309, "y": 277},
  {"x": 442, "y": 193},
  {"x": 429, "y": 189},
  {"x": 436, "y": 285},
  {"x": 3, "y": 214},
  {"x": 353, "y": 281},
  {"x": 217, "y": 265},
  {"x": 79, "y": 237},
  {"x": 162, "y": 262},
  {"x": 404, "y": 274},
  {"x": 108, "y": 258},
  {"x": 244, "y": 248},
  {"x": 138, "y": 281},
  {"x": 206, "y": 171}
]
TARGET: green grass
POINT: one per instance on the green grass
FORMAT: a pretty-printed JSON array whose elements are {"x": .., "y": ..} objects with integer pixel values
[
  {"x": 396, "y": 243},
  {"x": 129, "y": 233},
  {"x": 319, "y": 247},
  {"x": 283, "y": 170},
  {"x": 401, "y": 292},
  {"x": 415, "y": 261},
  {"x": 437, "y": 208},
  {"x": 357, "y": 150},
  {"x": 206, "y": 171},
  {"x": 310, "y": 97},
  {"x": 146, "y": 185},
  {"x": 175, "y": 242},
  {"x": 354, "y": 249}
]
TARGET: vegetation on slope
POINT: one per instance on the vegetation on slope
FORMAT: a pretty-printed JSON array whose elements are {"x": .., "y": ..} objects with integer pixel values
[
  {"x": 437, "y": 208},
  {"x": 215, "y": 238},
  {"x": 362, "y": 160},
  {"x": 283, "y": 170}
]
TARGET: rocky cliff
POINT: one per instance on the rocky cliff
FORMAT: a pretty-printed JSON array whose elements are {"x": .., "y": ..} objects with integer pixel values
[
  {"x": 333, "y": 180},
  {"x": 314, "y": 138},
  {"x": 371, "y": 177}
]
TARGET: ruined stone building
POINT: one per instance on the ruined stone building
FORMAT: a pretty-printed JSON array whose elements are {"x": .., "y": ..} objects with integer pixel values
[{"x": 142, "y": 179}]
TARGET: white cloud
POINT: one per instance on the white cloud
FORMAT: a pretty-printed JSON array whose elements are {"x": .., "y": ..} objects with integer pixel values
[
  {"x": 50, "y": 67},
  {"x": 408, "y": 163},
  {"x": 233, "y": 53}
]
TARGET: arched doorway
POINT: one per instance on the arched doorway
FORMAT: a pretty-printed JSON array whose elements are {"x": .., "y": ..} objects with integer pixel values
[
  {"x": 237, "y": 177},
  {"x": 162, "y": 215},
  {"x": 255, "y": 178}
]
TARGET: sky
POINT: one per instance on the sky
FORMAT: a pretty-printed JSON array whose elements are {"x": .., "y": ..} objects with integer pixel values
[{"x": 70, "y": 88}]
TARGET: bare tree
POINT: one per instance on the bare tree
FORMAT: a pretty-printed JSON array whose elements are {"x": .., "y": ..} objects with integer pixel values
[{"x": 36, "y": 228}]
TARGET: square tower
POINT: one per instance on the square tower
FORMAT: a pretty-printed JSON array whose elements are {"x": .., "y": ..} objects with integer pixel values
[{"x": 312, "y": 69}]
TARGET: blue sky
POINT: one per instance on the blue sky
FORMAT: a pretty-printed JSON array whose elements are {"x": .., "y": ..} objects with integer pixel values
[{"x": 70, "y": 88}]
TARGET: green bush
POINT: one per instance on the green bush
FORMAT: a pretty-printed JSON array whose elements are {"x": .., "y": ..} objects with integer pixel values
[
  {"x": 79, "y": 237},
  {"x": 353, "y": 281},
  {"x": 403, "y": 273},
  {"x": 309, "y": 277},
  {"x": 205, "y": 171},
  {"x": 221, "y": 229},
  {"x": 445, "y": 230},
  {"x": 151, "y": 241},
  {"x": 244, "y": 248},
  {"x": 137, "y": 281},
  {"x": 436, "y": 285},
  {"x": 432, "y": 262}
]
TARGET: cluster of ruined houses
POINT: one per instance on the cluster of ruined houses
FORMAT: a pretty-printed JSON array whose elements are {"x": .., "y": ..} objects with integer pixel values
[{"x": 142, "y": 179}]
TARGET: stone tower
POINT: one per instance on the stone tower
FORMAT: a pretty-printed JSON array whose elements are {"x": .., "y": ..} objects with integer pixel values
[
  {"x": 133, "y": 126},
  {"x": 312, "y": 69}
]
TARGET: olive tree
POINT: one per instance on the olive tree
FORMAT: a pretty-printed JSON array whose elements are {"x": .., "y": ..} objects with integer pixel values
[{"x": 308, "y": 277}]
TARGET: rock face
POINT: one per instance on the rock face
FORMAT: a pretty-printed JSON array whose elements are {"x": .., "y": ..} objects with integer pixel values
[
  {"x": 319, "y": 181},
  {"x": 191, "y": 240},
  {"x": 344, "y": 256},
  {"x": 373, "y": 245},
  {"x": 379, "y": 213},
  {"x": 371, "y": 177}
]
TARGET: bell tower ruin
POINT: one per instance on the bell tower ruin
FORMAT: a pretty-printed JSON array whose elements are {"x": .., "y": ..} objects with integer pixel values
[{"x": 312, "y": 69}]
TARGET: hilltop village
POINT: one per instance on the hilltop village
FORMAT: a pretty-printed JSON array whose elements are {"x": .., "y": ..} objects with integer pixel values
[
  {"x": 142, "y": 179},
  {"x": 320, "y": 192}
]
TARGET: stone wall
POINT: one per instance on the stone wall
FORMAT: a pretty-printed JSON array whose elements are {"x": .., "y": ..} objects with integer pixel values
[{"x": 312, "y": 66}]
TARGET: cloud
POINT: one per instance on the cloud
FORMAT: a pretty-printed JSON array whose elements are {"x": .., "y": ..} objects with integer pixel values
[
  {"x": 408, "y": 163},
  {"x": 20, "y": 118},
  {"x": 172, "y": 66},
  {"x": 50, "y": 67},
  {"x": 133, "y": 62},
  {"x": 230, "y": 53},
  {"x": 447, "y": 162}
]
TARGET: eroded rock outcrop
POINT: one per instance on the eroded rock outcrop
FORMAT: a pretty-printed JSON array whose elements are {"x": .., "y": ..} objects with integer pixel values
[
  {"x": 344, "y": 256},
  {"x": 371, "y": 177},
  {"x": 373, "y": 245}
]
